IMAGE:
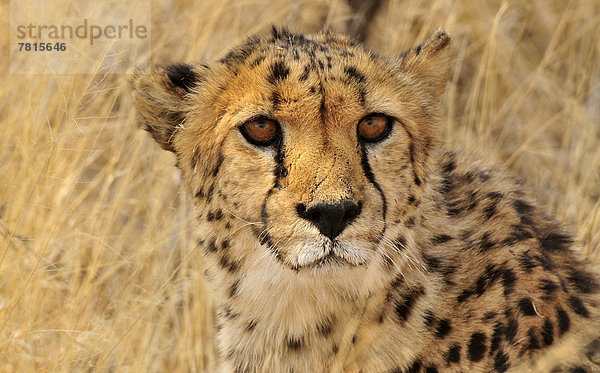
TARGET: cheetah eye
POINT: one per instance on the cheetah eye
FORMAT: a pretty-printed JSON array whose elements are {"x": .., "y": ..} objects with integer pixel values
[
  {"x": 260, "y": 131},
  {"x": 374, "y": 127}
]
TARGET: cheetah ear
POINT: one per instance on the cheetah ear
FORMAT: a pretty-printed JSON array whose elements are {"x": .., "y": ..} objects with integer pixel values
[
  {"x": 162, "y": 98},
  {"x": 430, "y": 62}
]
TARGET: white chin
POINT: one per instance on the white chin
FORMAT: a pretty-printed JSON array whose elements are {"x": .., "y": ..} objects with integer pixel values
[{"x": 323, "y": 252}]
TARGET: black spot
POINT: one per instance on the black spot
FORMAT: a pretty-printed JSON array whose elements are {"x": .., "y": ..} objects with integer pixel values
[
  {"x": 229, "y": 313},
  {"x": 218, "y": 166},
  {"x": 529, "y": 261},
  {"x": 548, "y": 286},
  {"x": 489, "y": 316},
  {"x": 548, "y": 332},
  {"x": 417, "y": 179},
  {"x": 526, "y": 261},
  {"x": 522, "y": 207},
  {"x": 429, "y": 318},
  {"x": 526, "y": 307},
  {"x": 212, "y": 246},
  {"x": 209, "y": 194},
  {"x": 418, "y": 49},
  {"x": 400, "y": 242},
  {"x": 325, "y": 327},
  {"x": 279, "y": 72},
  {"x": 447, "y": 183},
  {"x": 410, "y": 222},
  {"x": 512, "y": 326},
  {"x": 405, "y": 305},
  {"x": 464, "y": 295},
  {"x": 354, "y": 339},
  {"x": 524, "y": 210},
  {"x": 398, "y": 281},
  {"x": 578, "y": 370},
  {"x": 508, "y": 281},
  {"x": 362, "y": 95},
  {"x": 214, "y": 215},
  {"x": 453, "y": 354},
  {"x": 485, "y": 244},
  {"x": 578, "y": 307},
  {"x": 229, "y": 265},
  {"x": 563, "y": 321},
  {"x": 556, "y": 242},
  {"x": 450, "y": 165},
  {"x": 490, "y": 210},
  {"x": 501, "y": 363},
  {"x": 441, "y": 238},
  {"x": 495, "y": 195},
  {"x": 415, "y": 367},
  {"x": 431, "y": 369},
  {"x": 443, "y": 328},
  {"x": 182, "y": 76},
  {"x": 491, "y": 274},
  {"x": 583, "y": 282},
  {"x": 251, "y": 325},
  {"x": 496, "y": 336},
  {"x": 305, "y": 73},
  {"x": 433, "y": 264},
  {"x": 275, "y": 100},
  {"x": 534, "y": 343},
  {"x": 234, "y": 288},
  {"x": 477, "y": 346},
  {"x": 295, "y": 343},
  {"x": 454, "y": 209},
  {"x": 354, "y": 74},
  {"x": 519, "y": 234}
]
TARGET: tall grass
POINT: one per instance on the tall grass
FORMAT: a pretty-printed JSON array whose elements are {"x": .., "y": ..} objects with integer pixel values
[{"x": 97, "y": 262}]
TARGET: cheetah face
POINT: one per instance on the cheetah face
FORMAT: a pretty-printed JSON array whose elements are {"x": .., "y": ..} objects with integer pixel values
[{"x": 312, "y": 143}]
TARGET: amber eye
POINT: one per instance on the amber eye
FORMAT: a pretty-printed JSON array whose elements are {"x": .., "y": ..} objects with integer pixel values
[
  {"x": 374, "y": 127},
  {"x": 260, "y": 131}
]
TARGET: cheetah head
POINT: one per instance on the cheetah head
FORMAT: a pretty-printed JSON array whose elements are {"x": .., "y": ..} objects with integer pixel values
[{"x": 315, "y": 143}]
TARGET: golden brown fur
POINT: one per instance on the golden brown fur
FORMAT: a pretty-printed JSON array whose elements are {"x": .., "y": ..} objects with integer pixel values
[{"x": 448, "y": 267}]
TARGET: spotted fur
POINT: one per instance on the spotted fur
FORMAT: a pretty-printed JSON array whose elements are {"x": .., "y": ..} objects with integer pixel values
[{"x": 448, "y": 267}]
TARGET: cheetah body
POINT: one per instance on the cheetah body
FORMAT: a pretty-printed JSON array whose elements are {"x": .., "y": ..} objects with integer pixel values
[{"x": 448, "y": 267}]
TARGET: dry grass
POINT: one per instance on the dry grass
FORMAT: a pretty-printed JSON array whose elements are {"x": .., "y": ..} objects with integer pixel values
[{"x": 97, "y": 264}]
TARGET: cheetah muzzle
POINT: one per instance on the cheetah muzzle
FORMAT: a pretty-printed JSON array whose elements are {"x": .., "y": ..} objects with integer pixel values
[{"x": 339, "y": 235}]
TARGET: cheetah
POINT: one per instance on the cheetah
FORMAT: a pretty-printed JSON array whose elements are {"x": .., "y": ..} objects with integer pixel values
[{"x": 338, "y": 232}]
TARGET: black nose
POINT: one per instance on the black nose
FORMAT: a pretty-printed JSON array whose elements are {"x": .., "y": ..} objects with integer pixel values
[{"x": 330, "y": 219}]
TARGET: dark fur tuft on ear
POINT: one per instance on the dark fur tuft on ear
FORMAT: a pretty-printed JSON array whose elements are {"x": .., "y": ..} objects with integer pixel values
[
  {"x": 163, "y": 98},
  {"x": 182, "y": 75}
]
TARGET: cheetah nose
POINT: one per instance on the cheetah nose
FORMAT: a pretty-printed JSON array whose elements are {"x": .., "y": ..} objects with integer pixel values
[{"x": 330, "y": 219}]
